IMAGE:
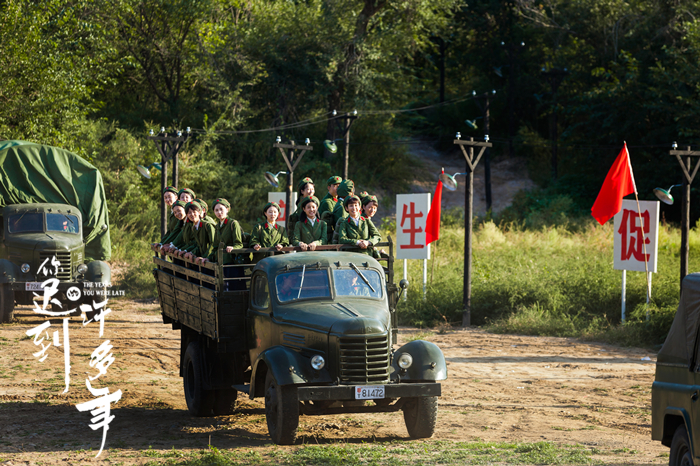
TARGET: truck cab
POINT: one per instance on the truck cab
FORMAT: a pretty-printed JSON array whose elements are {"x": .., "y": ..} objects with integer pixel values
[
  {"x": 43, "y": 236},
  {"x": 313, "y": 333}
]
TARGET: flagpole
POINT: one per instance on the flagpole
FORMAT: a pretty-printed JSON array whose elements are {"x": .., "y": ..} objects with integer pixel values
[{"x": 641, "y": 225}]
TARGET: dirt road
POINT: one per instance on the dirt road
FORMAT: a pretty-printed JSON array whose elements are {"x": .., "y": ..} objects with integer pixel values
[{"x": 500, "y": 388}]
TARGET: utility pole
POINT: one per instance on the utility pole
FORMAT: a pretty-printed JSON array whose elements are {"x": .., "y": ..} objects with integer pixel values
[
  {"x": 487, "y": 159},
  {"x": 168, "y": 145},
  {"x": 683, "y": 157},
  {"x": 291, "y": 165},
  {"x": 343, "y": 124},
  {"x": 554, "y": 76},
  {"x": 468, "y": 220}
]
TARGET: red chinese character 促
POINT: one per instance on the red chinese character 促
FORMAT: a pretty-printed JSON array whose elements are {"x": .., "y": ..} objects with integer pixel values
[{"x": 632, "y": 236}]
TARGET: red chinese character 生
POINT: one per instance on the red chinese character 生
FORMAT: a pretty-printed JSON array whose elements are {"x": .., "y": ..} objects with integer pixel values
[
  {"x": 412, "y": 231},
  {"x": 632, "y": 235}
]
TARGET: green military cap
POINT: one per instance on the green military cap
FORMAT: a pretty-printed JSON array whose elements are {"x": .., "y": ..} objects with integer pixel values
[
  {"x": 350, "y": 198},
  {"x": 303, "y": 182},
  {"x": 271, "y": 204},
  {"x": 186, "y": 190},
  {"x": 223, "y": 202},
  {"x": 345, "y": 188},
  {"x": 367, "y": 199},
  {"x": 179, "y": 204},
  {"x": 306, "y": 200},
  {"x": 363, "y": 194},
  {"x": 171, "y": 189},
  {"x": 204, "y": 205},
  {"x": 334, "y": 180},
  {"x": 194, "y": 205}
]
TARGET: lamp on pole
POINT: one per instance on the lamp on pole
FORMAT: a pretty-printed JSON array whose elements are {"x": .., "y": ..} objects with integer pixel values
[
  {"x": 292, "y": 164},
  {"x": 168, "y": 145},
  {"x": 450, "y": 183}
]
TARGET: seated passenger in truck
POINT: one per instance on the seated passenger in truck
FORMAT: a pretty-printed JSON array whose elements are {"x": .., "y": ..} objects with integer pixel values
[
  {"x": 198, "y": 240},
  {"x": 356, "y": 229},
  {"x": 268, "y": 234}
]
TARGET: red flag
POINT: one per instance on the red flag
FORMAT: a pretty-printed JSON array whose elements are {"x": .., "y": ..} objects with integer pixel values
[
  {"x": 618, "y": 184},
  {"x": 432, "y": 222}
]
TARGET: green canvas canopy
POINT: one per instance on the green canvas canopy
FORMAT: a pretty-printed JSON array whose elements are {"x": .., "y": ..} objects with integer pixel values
[{"x": 35, "y": 173}]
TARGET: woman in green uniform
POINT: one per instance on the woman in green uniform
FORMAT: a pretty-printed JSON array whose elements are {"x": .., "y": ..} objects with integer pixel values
[
  {"x": 357, "y": 230},
  {"x": 227, "y": 231},
  {"x": 198, "y": 240},
  {"x": 306, "y": 189},
  {"x": 311, "y": 231},
  {"x": 169, "y": 197},
  {"x": 178, "y": 213},
  {"x": 268, "y": 234},
  {"x": 186, "y": 195}
]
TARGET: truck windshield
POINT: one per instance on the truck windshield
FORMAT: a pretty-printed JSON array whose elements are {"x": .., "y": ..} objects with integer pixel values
[
  {"x": 348, "y": 282},
  {"x": 26, "y": 222},
  {"x": 315, "y": 285},
  {"x": 62, "y": 222}
]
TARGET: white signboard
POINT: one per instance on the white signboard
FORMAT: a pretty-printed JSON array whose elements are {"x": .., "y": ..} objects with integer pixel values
[
  {"x": 411, "y": 214},
  {"x": 629, "y": 242},
  {"x": 281, "y": 200}
]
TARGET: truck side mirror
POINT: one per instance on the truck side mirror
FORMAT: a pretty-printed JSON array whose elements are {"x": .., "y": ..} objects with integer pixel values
[{"x": 403, "y": 284}]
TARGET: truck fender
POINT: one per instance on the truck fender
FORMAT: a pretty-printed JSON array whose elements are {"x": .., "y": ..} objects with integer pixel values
[
  {"x": 98, "y": 272},
  {"x": 288, "y": 366},
  {"x": 428, "y": 361},
  {"x": 9, "y": 272},
  {"x": 670, "y": 426}
]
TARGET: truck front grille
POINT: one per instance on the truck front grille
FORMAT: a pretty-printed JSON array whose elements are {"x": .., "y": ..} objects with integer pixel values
[
  {"x": 64, "y": 270},
  {"x": 364, "y": 360}
]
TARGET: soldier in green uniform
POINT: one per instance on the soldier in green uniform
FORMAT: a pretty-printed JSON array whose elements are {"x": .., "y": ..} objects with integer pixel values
[
  {"x": 306, "y": 189},
  {"x": 198, "y": 239},
  {"x": 229, "y": 232},
  {"x": 311, "y": 231},
  {"x": 169, "y": 197},
  {"x": 346, "y": 188},
  {"x": 178, "y": 213},
  {"x": 268, "y": 234},
  {"x": 186, "y": 195},
  {"x": 355, "y": 229},
  {"x": 331, "y": 198},
  {"x": 369, "y": 206}
]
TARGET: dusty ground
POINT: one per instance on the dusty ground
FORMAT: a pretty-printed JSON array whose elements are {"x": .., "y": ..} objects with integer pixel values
[{"x": 500, "y": 387}]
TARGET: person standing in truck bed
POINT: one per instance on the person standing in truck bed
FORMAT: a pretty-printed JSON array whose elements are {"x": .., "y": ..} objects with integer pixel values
[
  {"x": 306, "y": 189},
  {"x": 169, "y": 197},
  {"x": 331, "y": 198},
  {"x": 311, "y": 231},
  {"x": 227, "y": 231},
  {"x": 357, "y": 230}
]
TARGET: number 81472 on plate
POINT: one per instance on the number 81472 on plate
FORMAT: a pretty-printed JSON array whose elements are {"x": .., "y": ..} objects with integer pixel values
[{"x": 369, "y": 392}]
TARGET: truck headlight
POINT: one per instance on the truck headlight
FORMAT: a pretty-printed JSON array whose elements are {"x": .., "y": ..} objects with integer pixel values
[
  {"x": 25, "y": 268},
  {"x": 405, "y": 361},
  {"x": 317, "y": 362},
  {"x": 82, "y": 268}
]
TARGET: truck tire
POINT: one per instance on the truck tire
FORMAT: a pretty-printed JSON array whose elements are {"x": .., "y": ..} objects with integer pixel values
[
  {"x": 680, "y": 449},
  {"x": 281, "y": 411},
  {"x": 7, "y": 303},
  {"x": 199, "y": 401},
  {"x": 224, "y": 400},
  {"x": 420, "y": 416}
]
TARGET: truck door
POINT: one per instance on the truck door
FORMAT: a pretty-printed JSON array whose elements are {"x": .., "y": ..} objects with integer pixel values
[{"x": 258, "y": 318}]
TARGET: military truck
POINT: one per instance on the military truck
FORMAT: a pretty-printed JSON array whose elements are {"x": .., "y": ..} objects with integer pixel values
[
  {"x": 675, "y": 413},
  {"x": 312, "y": 333},
  {"x": 54, "y": 216}
]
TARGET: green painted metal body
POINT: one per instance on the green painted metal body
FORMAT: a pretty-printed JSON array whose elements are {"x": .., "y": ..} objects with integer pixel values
[{"x": 34, "y": 247}]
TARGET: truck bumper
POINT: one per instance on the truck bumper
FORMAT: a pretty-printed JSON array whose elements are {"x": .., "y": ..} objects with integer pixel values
[{"x": 347, "y": 392}]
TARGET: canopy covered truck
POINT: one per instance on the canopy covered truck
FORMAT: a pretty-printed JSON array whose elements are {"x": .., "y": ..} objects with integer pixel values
[
  {"x": 54, "y": 216},
  {"x": 311, "y": 333}
]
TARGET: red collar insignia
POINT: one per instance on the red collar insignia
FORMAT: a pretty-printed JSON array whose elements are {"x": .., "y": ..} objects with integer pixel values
[
  {"x": 226, "y": 221},
  {"x": 199, "y": 224},
  {"x": 335, "y": 199}
]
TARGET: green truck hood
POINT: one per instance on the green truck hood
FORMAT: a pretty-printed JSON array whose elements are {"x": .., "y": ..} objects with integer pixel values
[
  {"x": 46, "y": 241},
  {"x": 341, "y": 318}
]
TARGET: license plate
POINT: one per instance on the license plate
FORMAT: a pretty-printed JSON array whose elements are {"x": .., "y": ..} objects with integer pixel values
[
  {"x": 369, "y": 392},
  {"x": 33, "y": 286}
]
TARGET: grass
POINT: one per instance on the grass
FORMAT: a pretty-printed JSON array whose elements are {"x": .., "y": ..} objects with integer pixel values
[
  {"x": 550, "y": 281},
  {"x": 394, "y": 453}
]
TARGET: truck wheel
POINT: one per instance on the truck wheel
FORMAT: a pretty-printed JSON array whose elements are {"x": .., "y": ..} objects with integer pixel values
[
  {"x": 680, "y": 449},
  {"x": 224, "y": 400},
  {"x": 420, "y": 416},
  {"x": 7, "y": 303},
  {"x": 199, "y": 401},
  {"x": 281, "y": 411}
]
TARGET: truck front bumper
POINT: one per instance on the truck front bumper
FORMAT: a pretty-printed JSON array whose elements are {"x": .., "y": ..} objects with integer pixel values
[{"x": 347, "y": 392}]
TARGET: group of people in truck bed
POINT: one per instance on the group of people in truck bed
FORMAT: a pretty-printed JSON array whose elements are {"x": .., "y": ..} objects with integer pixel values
[{"x": 341, "y": 217}]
